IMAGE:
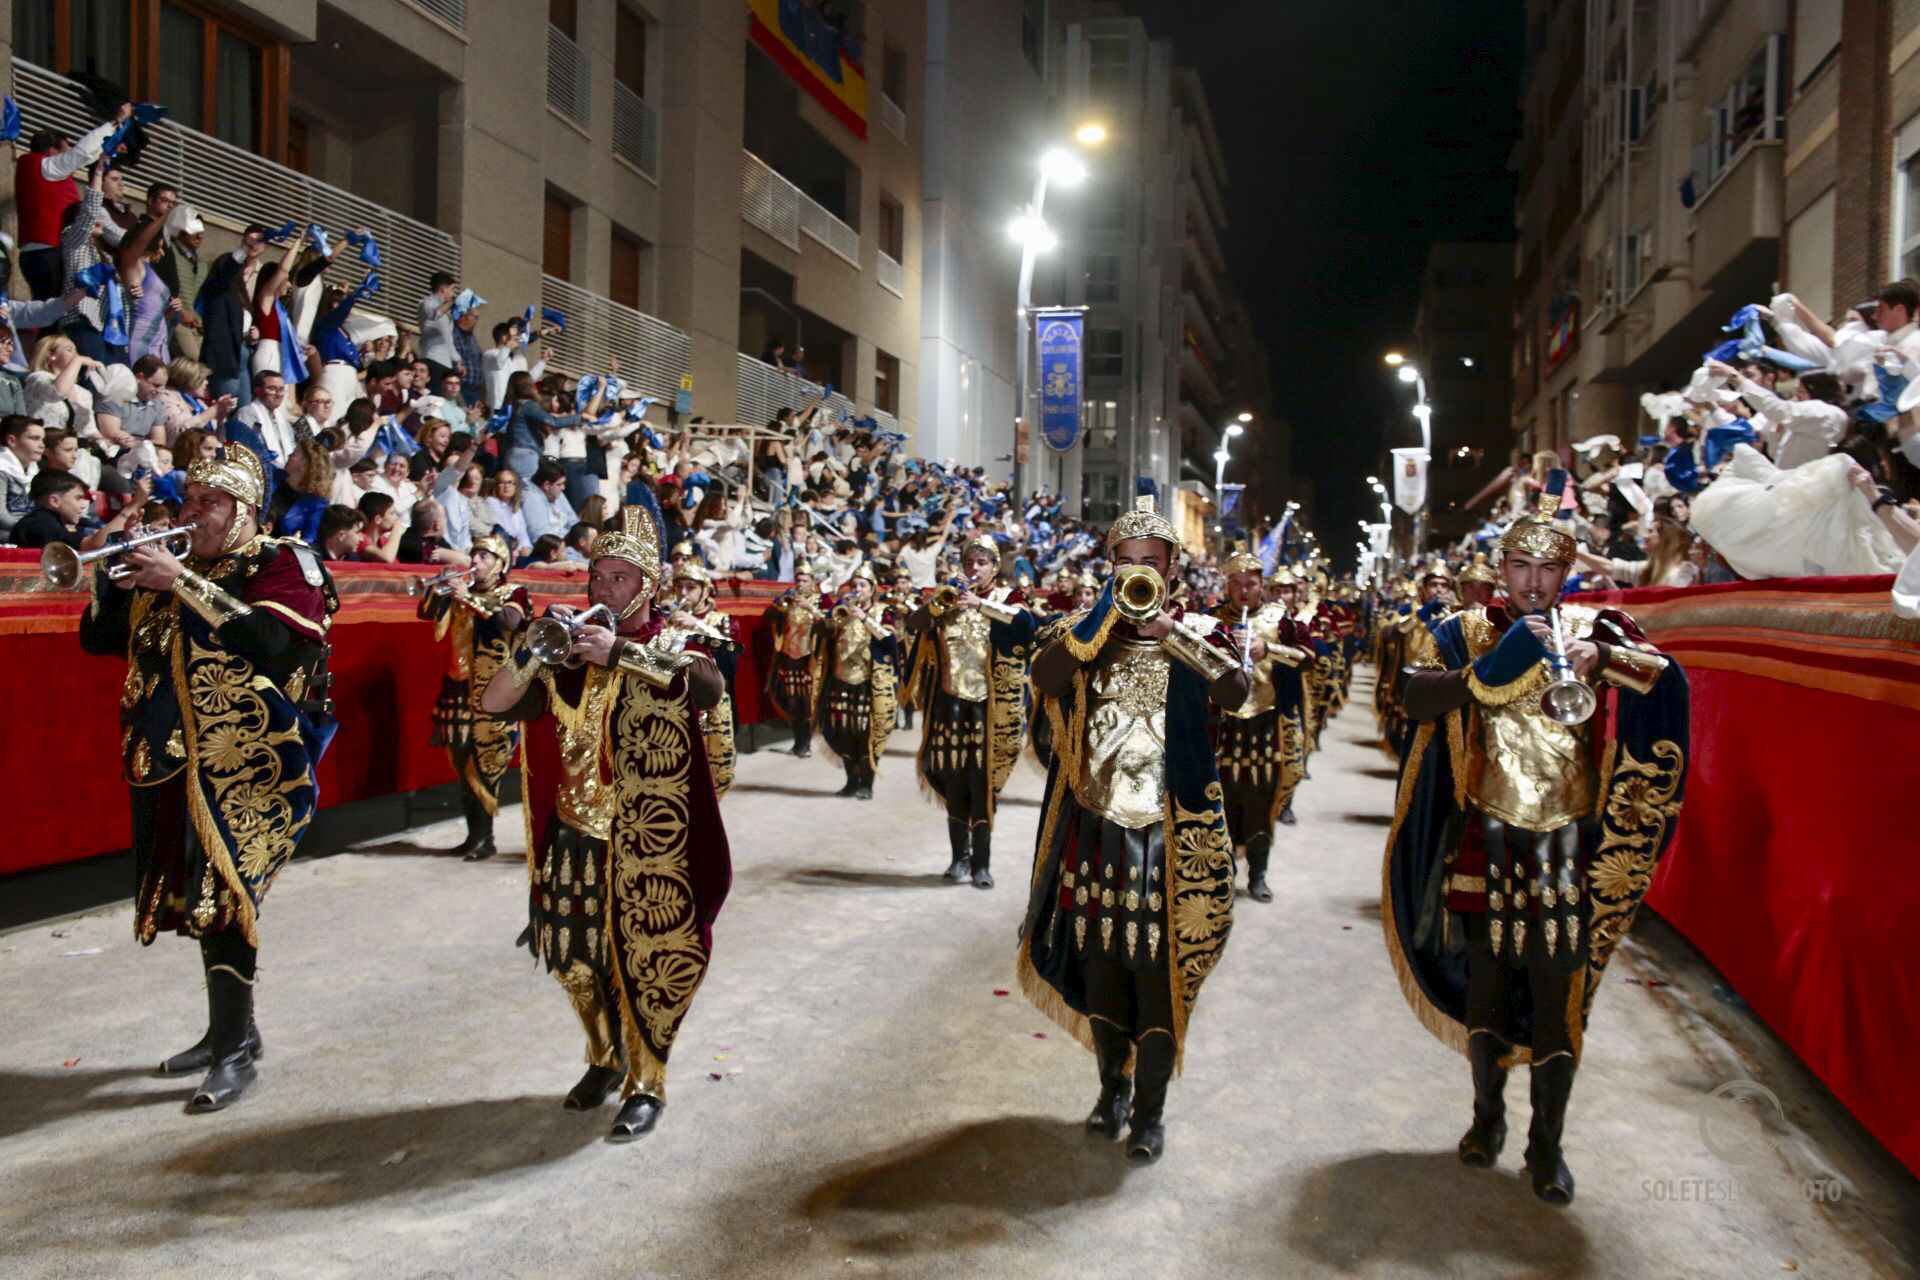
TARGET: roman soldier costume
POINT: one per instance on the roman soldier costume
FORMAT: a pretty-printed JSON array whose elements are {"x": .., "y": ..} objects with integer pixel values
[
  {"x": 1132, "y": 892},
  {"x": 1260, "y": 745},
  {"x": 1525, "y": 838},
  {"x": 968, "y": 673},
  {"x": 855, "y": 708},
  {"x": 223, "y": 719},
  {"x": 703, "y": 622},
  {"x": 627, "y": 858},
  {"x": 797, "y": 618},
  {"x": 478, "y": 628}
]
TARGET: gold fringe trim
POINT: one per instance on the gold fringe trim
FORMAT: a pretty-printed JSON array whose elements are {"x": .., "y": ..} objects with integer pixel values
[
  {"x": 1088, "y": 650},
  {"x": 1445, "y": 1029},
  {"x": 1512, "y": 691},
  {"x": 211, "y": 841},
  {"x": 1048, "y": 1001}
]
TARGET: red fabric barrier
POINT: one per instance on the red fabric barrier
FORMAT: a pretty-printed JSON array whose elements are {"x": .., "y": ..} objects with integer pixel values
[
  {"x": 61, "y": 755},
  {"x": 1793, "y": 869}
]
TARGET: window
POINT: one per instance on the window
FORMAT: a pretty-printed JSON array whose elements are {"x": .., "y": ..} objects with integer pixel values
[
  {"x": 893, "y": 228},
  {"x": 1106, "y": 348},
  {"x": 89, "y": 36},
  {"x": 556, "y": 249},
  {"x": 623, "y": 270},
  {"x": 1109, "y": 69},
  {"x": 237, "y": 92},
  {"x": 1099, "y": 495},
  {"x": 1106, "y": 206},
  {"x": 629, "y": 49},
  {"x": 1103, "y": 424},
  {"x": 183, "y": 81},
  {"x": 1906, "y": 199},
  {"x": 1749, "y": 111},
  {"x": 564, "y": 14},
  {"x": 1103, "y": 277},
  {"x": 893, "y": 73},
  {"x": 886, "y": 382}
]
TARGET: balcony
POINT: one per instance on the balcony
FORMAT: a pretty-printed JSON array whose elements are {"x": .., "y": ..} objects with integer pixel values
[
  {"x": 890, "y": 115},
  {"x": 1197, "y": 374},
  {"x": 569, "y": 84},
  {"x": 782, "y": 210},
  {"x": 636, "y": 131},
  {"x": 764, "y": 391},
  {"x": 891, "y": 275},
  {"x": 654, "y": 355},
  {"x": 237, "y": 187},
  {"x": 1740, "y": 218},
  {"x": 451, "y": 12}
]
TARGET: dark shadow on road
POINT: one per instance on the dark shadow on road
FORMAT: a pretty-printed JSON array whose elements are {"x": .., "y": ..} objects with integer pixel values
[
  {"x": 36, "y": 1098},
  {"x": 351, "y": 1160},
  {"x": 1422, "y": 1210},
  {"x": 1016, "y": 802},
  {"x": 1368, "y": 819},
  {"x": 840, "y": 878},
  {"x": 809, "y": 793},
  {"x": 406, "y": 848},
  {"x": 968, "y": 1188},
  {"x": 1384, "y": 774}
]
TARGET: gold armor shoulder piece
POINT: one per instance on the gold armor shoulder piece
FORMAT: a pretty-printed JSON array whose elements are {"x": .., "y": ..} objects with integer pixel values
[{"x": 209, "y": 601}]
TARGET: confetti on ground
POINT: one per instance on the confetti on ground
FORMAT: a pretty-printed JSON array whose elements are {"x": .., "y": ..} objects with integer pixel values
[
  {"x": 89, "y": 951},
  {"x": 396, "y": 1157},
  {"x": 721, "y": 1057},
  {"x": 1039, "y": 1035},
  {"x": 715, "y": 1076},
  {"x": 1001, "y": 991},
  {"x": 70, "y": 1063}
]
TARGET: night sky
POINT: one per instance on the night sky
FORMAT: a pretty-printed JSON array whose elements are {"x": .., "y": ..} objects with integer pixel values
[{"x": 1355, "y": 135}]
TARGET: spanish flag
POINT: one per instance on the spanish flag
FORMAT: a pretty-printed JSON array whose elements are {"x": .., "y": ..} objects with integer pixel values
[{"x": 821, "y": 60}]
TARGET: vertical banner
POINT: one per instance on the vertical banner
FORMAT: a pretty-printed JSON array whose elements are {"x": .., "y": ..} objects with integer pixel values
[
  {"x": 1230, "y": 495},
  {"x": 1410, "y": 479},
  {"x": 1060, "y": 347}
]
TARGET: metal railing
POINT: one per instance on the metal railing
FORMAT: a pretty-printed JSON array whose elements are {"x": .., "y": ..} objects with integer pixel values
[
  {"x": 240, "y": 187},
  {"x": 569, "y": 85},
  {"x": 451, "y": 12},
  {"x": 829, "y": 230},
  {"x": 653, "y": 354},
  {"x": 892, "y": 118},
  {"x": 888, "y": 271},
  {"x": 768, "y": 201},
  {"x": 884, "y": 420},
  {"x": 636, "y": 130},
  {"x": 765, "y": 390}
]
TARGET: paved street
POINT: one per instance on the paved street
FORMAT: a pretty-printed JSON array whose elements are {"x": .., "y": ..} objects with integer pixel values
[{"x": 855, "y": 1093}]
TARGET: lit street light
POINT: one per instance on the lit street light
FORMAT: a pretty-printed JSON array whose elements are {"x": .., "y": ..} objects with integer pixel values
[
  {"x": 1090, "y": 134},
  {"x": 1030, "y": 231}
]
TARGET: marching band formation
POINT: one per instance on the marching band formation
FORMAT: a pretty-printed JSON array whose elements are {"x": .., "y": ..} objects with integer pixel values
[{"x": 1542, "y": 749}]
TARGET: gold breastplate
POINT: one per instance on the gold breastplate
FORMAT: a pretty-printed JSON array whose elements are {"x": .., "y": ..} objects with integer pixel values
[
  {"x": 1528, "y": 770},
  {"x": 798, "y": 636},
  {"x": 1124, "y": 780},
  {"x": 852, "y": 652},
  {"x": 965, "y": 635},
  {"x": 1261, "y": 697},
  {"x": 584, "y": 800}
]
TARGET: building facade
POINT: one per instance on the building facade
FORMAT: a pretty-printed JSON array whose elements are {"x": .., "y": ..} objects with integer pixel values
[
  {"x": 685, "y": 180},
  {"x": 1463, "y": 332}
]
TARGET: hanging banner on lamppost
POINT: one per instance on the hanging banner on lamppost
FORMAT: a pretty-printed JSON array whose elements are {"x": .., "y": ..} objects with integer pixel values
[
  {"x": 1410, "y": 479},
  {"x": 1061, "y": 348},
  {"x": 1230, "y": 495}
]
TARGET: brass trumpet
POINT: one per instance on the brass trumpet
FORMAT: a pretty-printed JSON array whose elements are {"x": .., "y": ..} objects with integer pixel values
[
  {"x": 684, "y": 620},
  {"x": 1139, "y": 592},
  {"x": 61, "y": 565},
  {"x": 1568, "y": 699},
  {"x": 439, "y": 582},
  {"x": 551, "y": 639}
]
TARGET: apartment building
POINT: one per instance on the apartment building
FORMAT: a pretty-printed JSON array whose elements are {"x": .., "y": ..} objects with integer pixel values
[
  {"x": 1462, "y": 334},
  {"x": 685, "y": 180}
]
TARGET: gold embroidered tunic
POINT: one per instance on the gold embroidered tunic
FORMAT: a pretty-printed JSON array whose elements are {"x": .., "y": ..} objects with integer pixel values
[
  {"x": 1124, "y": 778},
  {"x": 965, "y": 635},
  {"x": 583, "y": 800}
]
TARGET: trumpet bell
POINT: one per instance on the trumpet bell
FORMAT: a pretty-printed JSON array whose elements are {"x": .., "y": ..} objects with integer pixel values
[
  {"x": 550, "y": 640},
  {"x": 1568, "y": 702},
  {"x": 1138, "y": 592},
  {"x": 60, "y": 566},
  {"x": 943, "y": 600}
]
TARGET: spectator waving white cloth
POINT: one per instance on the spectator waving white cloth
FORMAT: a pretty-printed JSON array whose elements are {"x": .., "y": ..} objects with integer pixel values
[
  {"x": 1805, "y": 522},
  {"x": 1906, "y": 588}
]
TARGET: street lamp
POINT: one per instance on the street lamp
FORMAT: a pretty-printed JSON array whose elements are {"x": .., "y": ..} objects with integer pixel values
[{"x": 1030, "y": 231}]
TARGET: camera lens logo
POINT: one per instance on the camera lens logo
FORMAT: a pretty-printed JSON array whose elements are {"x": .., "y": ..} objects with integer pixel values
[{"x": 1733, "y": 1120}]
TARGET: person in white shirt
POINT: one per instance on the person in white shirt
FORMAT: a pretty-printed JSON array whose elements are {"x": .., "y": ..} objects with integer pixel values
[
  {"x": 268, "y": 414},
  {"x": 921, "y": 556},
  {"x": 545, "y": 504},
  {"x": 394, "y": 482},
  {"x": 353, "y": 480},
  {"x": 1797, "y": 431},
  {"x": 24, "y": 441},
  {"x": 506, "y": 358}
]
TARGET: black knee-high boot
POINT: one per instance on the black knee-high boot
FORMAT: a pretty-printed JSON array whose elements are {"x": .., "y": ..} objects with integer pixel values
[
  {"x": 1116, "y": 1087},
  {"x": 802, "y": 736},
  {"x": 853, "y": 778},
  {"x": 478, "y": 846},
  {"x": 200, "y": 1056},
  {"x": 1259, "y": 850},
  {"x": 230, "y": 996},
  {"x": 1552, "y": 1083},
  {"x": 1152, "y": 1072},
  {"x": 957, "y": 838},
  {"x": 982, "y": 855},
  {"x": 1480, "y": 1146},
  {"x": 864, "y": 789}
]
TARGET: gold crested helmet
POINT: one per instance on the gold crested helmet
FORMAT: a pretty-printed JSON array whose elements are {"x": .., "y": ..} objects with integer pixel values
[
  {"x": 1142, "y": 522},
  {"x": 1437, "y": 568},
  {"x": 691, "y": 570},
  {"x": 637, "y": 542},
  {"x": 1242, "y": 561},
  {"x": 1479, "y": 571},
  {"x": 1539, "y": 532},
  {"x": 981, "y": 542},
  {"x": 234, "y": 470}
]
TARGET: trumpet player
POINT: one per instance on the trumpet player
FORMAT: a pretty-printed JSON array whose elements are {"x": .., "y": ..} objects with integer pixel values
[
  {"x": 1260, "y": 745},
  {"x": 855, "y": 708},
  {"x": 222, "y": 722},
  {"x": 1132, "y": 891},
  {"x": 693, "y": 616},
  {"x": 627, "y": 858},
  {"x": 969, "y": 674},
  {"x": 797, "y": 617},
  {"x": 1536, "y": 875},
  {"x": 478, "y": 620}
]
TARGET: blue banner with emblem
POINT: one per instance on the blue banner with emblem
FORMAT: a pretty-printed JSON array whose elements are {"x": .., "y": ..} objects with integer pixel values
[{"x": 1060, "y": 341}]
